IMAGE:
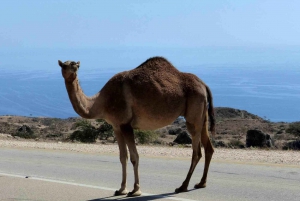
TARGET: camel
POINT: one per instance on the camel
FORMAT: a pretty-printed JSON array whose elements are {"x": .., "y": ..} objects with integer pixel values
[{"x": 148, "y": 97}]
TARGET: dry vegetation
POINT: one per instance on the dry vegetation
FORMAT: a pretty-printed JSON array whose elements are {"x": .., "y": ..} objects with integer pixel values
[{"x": 232, "y": 127}]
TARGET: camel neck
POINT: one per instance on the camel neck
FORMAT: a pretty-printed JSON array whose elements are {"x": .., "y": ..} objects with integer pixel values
[{"x": 81, "y": 103}]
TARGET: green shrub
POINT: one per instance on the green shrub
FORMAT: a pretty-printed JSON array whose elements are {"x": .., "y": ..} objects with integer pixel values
[
  {"x": 105, "y": 130},
  {"x": 25, "y": 132},
  {"x": 86, "y": 132},
  {"x": 145, "y": 137},
  {"x": 294, "y": 128}
]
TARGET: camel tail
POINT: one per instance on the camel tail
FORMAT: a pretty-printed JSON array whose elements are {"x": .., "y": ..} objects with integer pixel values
[{"x": 211, "y": 113}]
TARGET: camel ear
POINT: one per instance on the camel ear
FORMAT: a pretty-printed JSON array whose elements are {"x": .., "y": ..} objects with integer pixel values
[
  {"x": 61, "y": 64},
  {"x": 78, "y": 62}
]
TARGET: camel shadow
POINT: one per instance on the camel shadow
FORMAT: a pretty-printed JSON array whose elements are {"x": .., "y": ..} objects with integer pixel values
[{"x": 140, "y": 198}]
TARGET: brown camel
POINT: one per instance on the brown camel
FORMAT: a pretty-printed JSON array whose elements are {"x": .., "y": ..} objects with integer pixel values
[{"x": 148, "y": 97}]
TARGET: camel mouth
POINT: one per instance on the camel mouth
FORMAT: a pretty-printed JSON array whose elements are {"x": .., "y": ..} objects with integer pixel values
[{"x": 74, "y": 69}]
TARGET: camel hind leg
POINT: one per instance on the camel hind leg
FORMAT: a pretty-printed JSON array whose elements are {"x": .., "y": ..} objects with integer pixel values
[
  {"x": 195, "y": 157},
  {"x": 209, "y": 150},
  {"x": 194, "y": 123}
]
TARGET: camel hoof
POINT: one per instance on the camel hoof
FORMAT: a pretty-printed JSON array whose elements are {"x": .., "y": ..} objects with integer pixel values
[
  {"x": 200, "y": 185},
  {"x": 123, "y": 192},
  {"x": 134, "y": 194},
  {"x": 181, "y": 189}
]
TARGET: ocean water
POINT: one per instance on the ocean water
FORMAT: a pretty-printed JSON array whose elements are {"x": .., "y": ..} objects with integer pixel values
[
  {"x": 273, "y": 94},
  {"x": 264, "y": 82}
]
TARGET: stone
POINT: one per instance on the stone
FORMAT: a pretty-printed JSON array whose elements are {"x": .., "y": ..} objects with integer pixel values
[
  {"x": 175, "y": 131},
  {"x": 295, "y": 145},
  {"x": 256, "y": 138},
  {"x": 183, "y": 138}
]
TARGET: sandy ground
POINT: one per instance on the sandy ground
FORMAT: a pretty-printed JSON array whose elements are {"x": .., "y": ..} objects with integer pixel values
[{"x": 236, "y": 155}]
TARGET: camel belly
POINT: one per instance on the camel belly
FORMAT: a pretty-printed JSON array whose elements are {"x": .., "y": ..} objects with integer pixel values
[
  {"x": 156, "y": 115},
  {"x": 151, "y": 123}
]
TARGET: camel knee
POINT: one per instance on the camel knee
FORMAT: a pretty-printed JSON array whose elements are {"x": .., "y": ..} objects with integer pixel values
[
  {"x": 134, "y": 160},
  {"x": 209, "y": 150},
  {"x": 123, "y": 158},
  {"x": 199, "y": 155},
  {"x": 196, "y": 156}
]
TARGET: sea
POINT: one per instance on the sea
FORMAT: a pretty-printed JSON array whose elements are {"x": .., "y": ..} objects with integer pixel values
[{"x": 33, "y": 86}]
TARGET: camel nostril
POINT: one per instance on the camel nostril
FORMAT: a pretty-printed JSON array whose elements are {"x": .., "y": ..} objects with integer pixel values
[{"x": 74, "y": 68}]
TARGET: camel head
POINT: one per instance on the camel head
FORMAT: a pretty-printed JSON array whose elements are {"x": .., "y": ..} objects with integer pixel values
[{"x": 69, "y": 69}]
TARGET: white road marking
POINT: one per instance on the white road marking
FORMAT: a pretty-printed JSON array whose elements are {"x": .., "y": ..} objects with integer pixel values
[{"x": 90, "y": 186}]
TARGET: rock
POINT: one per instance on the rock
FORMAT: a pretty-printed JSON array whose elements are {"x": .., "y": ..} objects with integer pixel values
[
  {"x": 295, "y": 145},
  {"x": 179, "y": 120},
  {"x": 269, "y": 142},
  {"x": 175, "y": 131},
  {"x": 183, "y": 138},
  {"x": 256, "y": 138}
]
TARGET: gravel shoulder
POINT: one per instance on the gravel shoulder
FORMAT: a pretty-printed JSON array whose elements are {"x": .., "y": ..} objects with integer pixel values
[{"x": 221, "y": 154}]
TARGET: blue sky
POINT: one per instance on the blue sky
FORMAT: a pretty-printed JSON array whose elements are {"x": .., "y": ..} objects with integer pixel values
[{"x": 218, "y": 29}]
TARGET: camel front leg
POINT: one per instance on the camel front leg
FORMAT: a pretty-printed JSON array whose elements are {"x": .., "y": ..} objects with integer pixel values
[
  {"x": 134, "y": 158},
  {"x": 123, "y": 159}
]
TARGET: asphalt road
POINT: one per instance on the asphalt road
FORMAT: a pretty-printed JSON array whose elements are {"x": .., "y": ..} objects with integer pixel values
[{"x": 28, "y": 174}]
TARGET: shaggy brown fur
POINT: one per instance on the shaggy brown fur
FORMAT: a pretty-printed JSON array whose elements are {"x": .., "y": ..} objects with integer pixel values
[{"x": 150, "y": 96}]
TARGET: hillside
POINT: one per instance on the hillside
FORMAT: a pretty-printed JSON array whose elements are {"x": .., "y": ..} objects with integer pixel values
[{"x": 231, "y": 128}]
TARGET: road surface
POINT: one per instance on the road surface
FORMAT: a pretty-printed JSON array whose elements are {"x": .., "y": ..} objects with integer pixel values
[{"x": 35, "y": 174}]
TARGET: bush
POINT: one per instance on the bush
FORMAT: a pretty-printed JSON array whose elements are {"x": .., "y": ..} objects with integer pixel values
[
  {"x": 25, "y": 132},
  {"x": 86, "y": 132},
  {"x": 294, "y": 128},
  {"x": 105, "y": 130},
  {"x": 145, "y": 137}
]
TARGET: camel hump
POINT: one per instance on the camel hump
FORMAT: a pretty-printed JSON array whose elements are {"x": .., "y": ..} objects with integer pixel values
[{"x": 156, "y": 63}]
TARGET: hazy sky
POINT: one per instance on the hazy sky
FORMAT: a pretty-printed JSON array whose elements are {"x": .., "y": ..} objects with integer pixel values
[
  {"x": 111, "y": 36},
  {"x": 167, "y": 23},
  {"x": 271, "y": 24}
]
